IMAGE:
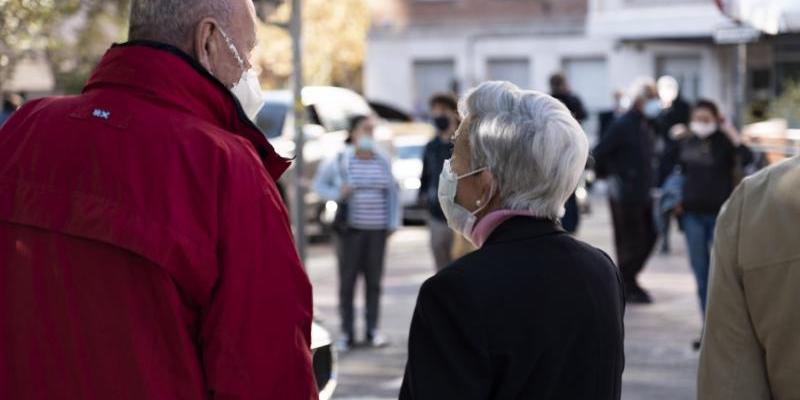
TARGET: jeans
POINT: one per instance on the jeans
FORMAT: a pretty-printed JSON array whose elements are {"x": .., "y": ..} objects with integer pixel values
[{"x": 699, "y": 230}]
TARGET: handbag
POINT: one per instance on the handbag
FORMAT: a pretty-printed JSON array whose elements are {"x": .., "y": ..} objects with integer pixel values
[{"x": 340, "y": 220}]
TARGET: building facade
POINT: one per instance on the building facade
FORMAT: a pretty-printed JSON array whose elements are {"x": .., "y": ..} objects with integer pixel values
[{"x": 427, "y": 46}]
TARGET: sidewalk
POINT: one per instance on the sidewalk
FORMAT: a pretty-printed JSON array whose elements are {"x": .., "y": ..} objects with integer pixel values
[{"x": 660, "y": 361}]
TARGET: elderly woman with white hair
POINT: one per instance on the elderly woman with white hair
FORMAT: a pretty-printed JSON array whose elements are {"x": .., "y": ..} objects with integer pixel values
[{"x": 533, "y": 313}]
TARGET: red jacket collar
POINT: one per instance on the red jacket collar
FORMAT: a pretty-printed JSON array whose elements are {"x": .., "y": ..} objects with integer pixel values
[{"x": 172, "y": 76}]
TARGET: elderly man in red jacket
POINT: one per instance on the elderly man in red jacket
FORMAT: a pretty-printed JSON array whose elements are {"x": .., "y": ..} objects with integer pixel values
[{"x": 145, "y": 252}]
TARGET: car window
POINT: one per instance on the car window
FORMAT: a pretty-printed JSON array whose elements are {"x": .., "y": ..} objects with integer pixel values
[
  {"x": 271, "y": 119},
  {"x": 410, "y": 152}
]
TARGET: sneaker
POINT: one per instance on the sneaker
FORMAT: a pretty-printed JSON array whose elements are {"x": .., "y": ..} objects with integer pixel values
[
  {"x": 344, "y": 344},
  {"x": 376, "y": 340}
]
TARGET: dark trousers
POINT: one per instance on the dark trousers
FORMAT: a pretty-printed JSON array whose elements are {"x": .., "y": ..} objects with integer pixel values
[
  {"x": 634, "y": 236},
  {"x": 360, "y": 252},
  {"x": 572, "y": 215}
]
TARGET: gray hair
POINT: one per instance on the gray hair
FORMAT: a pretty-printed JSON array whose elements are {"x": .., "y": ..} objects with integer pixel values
[
  {"x": 530, "y": 142},
  {"x": 172, "y": 21}
]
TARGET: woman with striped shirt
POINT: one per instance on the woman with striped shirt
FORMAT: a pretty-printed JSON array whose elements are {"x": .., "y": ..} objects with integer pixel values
[{"x": 362, "y": 177}]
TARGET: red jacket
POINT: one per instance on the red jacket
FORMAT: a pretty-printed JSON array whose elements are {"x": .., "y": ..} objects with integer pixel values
[{"x": 145, "y": 252}]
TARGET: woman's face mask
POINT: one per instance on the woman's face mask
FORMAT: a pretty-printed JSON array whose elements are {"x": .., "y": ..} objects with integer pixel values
[
  {"x": 458, "y": 218},
  {"x": 702, "y": 129},
  {"x": 248, "y": 89},
  {"x": 365, "y": 143}
]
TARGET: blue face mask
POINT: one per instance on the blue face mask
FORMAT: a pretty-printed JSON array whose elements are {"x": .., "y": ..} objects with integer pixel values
[
  {"x": 365, "y": 143},
  {"x": 652, "y": 108}
]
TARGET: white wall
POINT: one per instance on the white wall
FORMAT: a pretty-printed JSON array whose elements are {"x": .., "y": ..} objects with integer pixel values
[
  {"x": 617, "y": 31},
  {"x": 654, "y": 18},
  {"x": 388, "y": 69}
]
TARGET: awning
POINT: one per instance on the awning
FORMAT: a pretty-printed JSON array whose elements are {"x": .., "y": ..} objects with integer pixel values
[{"x": 770, "y": 16}]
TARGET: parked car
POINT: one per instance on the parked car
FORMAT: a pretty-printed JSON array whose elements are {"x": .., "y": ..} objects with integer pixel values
[
  {"x": 771, "y": 141},
  {"x": 328, "y": 112},
  {"x": 324, "y": 361},
  {"x": 400, "y": 122},
  {"x": 407, "y": 169}
]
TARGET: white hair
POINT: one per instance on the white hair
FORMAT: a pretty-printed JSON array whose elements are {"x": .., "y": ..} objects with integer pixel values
[
  {"x": 529, "y": 141},
  {"x": 641, "y": 90},
  {"x": 172, "y": 21}
]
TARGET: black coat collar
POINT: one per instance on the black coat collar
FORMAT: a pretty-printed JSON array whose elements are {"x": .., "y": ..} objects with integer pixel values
[{"x": 521, "y": 228}]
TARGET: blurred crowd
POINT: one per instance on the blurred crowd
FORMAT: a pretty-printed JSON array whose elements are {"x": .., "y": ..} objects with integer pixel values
[
  {"x": 663, "y": 159},
  {"x": 146, "y": 249}
]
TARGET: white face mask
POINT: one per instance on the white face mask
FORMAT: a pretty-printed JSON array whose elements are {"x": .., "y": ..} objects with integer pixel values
[
  {"x": 703, "y": 129},
  {"x": 458, "y": 218},
  {"x": 248, "y": 89}
]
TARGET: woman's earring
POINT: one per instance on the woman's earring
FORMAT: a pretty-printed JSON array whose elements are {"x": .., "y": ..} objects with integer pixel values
[{"x": 478, "y": 203}]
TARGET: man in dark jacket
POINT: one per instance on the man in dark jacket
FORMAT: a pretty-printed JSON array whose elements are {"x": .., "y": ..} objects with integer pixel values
[
  {"x": 627, "y": 151},
  {"x": 444, "y": 110},
  {"x": 675, "y": 113},
  {"x": 145, "y": 252},
  {"x": 559, "y": 88}
]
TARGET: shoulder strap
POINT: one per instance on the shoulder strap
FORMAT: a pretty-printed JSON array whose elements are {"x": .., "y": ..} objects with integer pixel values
[{"x": 342, "y": 166}]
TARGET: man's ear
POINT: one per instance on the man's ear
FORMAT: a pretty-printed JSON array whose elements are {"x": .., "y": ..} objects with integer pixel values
[{"x": 206, "y": 47}]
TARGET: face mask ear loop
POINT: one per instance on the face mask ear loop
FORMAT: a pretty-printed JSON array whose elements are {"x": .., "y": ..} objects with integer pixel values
[
  {"x": 468, "y": 174},
  {"x": 232, "y": 49}
]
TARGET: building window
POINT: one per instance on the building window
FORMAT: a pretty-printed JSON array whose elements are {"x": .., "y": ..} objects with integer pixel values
[
  {"x": 514, "y": 70},
  {"x": 589, "y": 80},
  {"x": 687, "y": 70},
  {"x": 431, "y": 77}
]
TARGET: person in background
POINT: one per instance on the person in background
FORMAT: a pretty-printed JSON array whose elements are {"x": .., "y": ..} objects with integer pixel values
[
  {"x": 533, "y": 313},
  {"x": 627, "y": 151},
  {"x": 145, "y": 251},
  {"x": 676, "y": 112},
  {"x": 444, "y": 111},
  {"x": 609, "y": 116},
  {"x": 751, "y": 345},
  {"x": 362, "y": 177},
  {"x": 708, "y": 154},
  {"x": 559, "y": 88},
  {"x": 11, "y": 102}
]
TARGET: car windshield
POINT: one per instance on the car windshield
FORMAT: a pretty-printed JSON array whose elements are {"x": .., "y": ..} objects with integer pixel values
[
  {"x": 271, "y": 119},
  {"x": 410, "y": 152}
]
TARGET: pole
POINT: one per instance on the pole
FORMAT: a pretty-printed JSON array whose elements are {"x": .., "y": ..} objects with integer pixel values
[
  {"x": 299, "y": 209},
  {"x": 741, "y": 84}
]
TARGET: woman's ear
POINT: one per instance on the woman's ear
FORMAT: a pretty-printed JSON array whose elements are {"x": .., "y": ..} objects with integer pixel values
[
  {"x": 206, "y": 48},
  {"x": 488, "y": 188}
]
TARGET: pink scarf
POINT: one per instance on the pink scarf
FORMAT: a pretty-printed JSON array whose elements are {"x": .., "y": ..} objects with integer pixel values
[{"x": 491, "y": 221}]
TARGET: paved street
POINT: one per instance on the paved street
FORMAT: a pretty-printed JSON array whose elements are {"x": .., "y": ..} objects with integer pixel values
[{"x": 660, "y": 361}]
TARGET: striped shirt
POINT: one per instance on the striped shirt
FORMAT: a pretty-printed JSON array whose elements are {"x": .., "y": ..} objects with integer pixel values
[{"x": 369, "y": 203}]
